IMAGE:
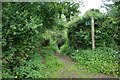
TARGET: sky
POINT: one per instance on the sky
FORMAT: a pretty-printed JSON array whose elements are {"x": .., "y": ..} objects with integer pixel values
[{"x": 89, "y": 4}]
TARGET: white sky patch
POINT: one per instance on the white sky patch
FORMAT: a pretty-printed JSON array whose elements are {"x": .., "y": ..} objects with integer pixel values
[{"x": 89, "y": 4}]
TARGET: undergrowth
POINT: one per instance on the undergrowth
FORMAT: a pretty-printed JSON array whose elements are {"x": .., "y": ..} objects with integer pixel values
[
  {"x": 101, "y": 60},
  {"x": 34, "y": 68}
]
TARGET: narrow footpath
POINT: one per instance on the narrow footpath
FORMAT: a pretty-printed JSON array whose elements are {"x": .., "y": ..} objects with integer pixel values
[{"x": 71, "y": 70}]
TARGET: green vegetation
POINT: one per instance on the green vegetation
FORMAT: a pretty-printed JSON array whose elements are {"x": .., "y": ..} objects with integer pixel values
[
  {"x": 33, "y": 68},
  {"x": 32, "y": 33},
  {"x": 70, "y": 69},
  {"x": 102, "y": 60},
  {"x": 106, "y": 31}
]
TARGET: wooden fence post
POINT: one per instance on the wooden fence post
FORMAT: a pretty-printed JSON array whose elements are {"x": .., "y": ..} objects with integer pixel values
[{"x": 92, "y": 33}]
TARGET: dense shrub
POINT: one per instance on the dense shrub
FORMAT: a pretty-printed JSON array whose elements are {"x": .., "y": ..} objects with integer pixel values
[
  {"x": 106, "y": 31},
  {"x": 79, "y": 35}
]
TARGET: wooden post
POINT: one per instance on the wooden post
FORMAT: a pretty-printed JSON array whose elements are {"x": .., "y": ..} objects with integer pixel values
[{"x": 92, "y": 33}]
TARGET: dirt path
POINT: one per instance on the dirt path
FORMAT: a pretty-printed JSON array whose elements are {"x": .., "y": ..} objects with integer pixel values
[{"x": 71, "y": 70}]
